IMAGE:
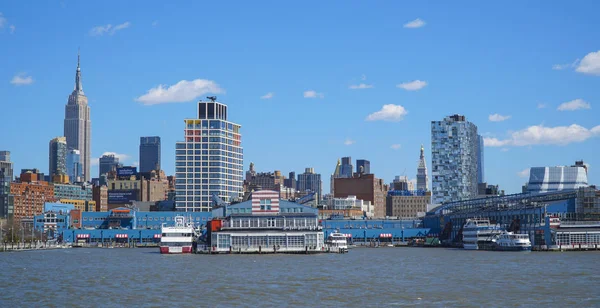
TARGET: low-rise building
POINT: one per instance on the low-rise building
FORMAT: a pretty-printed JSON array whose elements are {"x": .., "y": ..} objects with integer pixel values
[
  {"x": 100, "y": 196},
  {"x": 81, "y": 191},
  {"x": 365, "y": 187},
  {"x": 407, "y": 204},
  {"x": 30, "y": 193},
  {"x": 82, "y": 205}
]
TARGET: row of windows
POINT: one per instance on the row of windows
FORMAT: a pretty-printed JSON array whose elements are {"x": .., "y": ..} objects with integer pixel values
[
  {"x": 198, "y": 146},
  {"x": 225, "y": 156},
  {"x": 210, "y": 149},
  {"x": 207, "y": 164},
  {"x": 213, "y": 124}
]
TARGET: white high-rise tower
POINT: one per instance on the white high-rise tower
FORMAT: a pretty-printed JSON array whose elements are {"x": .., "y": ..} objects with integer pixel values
[
  {"x": 78, "y": 127},
  {"x": 422, "y": 179},
  {"x": 209, "y": 161}
]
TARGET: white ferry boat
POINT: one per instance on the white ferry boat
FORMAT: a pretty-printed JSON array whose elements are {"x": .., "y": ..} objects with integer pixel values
[
  {"x": 509, "y": 241},
  {"x": 337, "y": 242},
  {"x": 479, "y": 233},
  {"x": 177, "y": 238}
]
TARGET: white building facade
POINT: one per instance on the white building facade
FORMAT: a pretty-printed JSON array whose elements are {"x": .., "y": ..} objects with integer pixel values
[{"x": 210, "y": 159}]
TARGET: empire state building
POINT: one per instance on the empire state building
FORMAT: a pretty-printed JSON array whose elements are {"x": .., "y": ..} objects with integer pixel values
[{"x": 78, "y": 126}]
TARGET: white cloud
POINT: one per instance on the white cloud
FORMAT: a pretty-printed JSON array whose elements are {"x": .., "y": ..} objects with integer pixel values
[
  {"x": 349, "y": 141},
  {"x": 2, "y": 21},
  {"x": 498, "y": 118},
  {"x": 360, "y": 86},
  {"x": 12, "y": 29},
  {"x": 524, "y": 173},
  {"x": 183, "y": 91},
  {"x": 268, "y": 95},
  {"x": 390, "y": 113},
  {"x": 108, "y": 29},
  {"x": 417, "y": 23},
  {"x": 135, "y": 164},
  {"x": 590, "y": 64},
  {"x": 541, "y": 106},
  {"x": 21, "y": 80},
  {"x": 396, "y": 146},
  {"x": 412, "y": 85},
  {"x": 559, "y": 67},
  {"x": 313, "y": 94},
  {"x": 541, "y": 135},
  {"x": 575, "y": 104}
]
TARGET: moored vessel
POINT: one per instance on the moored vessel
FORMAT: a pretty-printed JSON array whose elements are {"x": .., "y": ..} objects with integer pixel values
[
  {"x": 337, "y": 242},
  {"x": 178, "y": 238},
  {"x": 509, "y": 241},
  {"x": 479, "y": 234}
]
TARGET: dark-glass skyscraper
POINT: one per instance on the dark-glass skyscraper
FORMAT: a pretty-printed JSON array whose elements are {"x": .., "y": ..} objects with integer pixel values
[
  {"x": 363, "y": 166},
  {"x": 108, "y": 163},
  {"x": 149, "y": 153},
  {"x": 345, "y": 168},
  {"x": 57, "y": 157},
  {"x": 78, "y": 127},
  {"x": 74, "y": 169},
  {"x": 6, "y": 176}
]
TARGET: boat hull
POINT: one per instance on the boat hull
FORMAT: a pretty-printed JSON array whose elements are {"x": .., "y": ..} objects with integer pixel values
[
  {"x": 513, "y": 248},
  {"x": 470, "y": 246},
  {"x": 175, "y": 250}
]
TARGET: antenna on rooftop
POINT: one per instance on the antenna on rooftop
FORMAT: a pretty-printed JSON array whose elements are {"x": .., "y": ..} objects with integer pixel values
[{"x": 212, "y": 98}]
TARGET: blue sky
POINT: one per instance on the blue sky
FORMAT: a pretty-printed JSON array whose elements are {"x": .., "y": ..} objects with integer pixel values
[{"x": 516, "y": 61}]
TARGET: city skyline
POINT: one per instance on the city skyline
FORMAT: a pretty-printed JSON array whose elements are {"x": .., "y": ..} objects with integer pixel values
[{"x": 532, "y": 103}]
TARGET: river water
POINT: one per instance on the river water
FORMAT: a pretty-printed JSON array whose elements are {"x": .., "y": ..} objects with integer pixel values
[{"x": 364, "y": 277}]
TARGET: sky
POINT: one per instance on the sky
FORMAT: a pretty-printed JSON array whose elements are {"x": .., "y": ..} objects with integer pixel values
[{"x": 310, "y": 81}]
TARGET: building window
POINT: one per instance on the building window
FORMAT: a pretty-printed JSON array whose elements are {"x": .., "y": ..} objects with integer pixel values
[{"x": 265, "y": 204}]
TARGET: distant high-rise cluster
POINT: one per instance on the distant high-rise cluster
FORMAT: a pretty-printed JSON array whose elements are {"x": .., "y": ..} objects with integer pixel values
[
  {"x": 210, "y": 159},
  {"x": 455, "y": 154},
  {"x": 78, "y": 126}
]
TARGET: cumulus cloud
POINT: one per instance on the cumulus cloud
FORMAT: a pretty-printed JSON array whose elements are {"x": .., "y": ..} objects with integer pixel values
[
  {"x": 108, "y": 29},
  {"x": 524, "y": 173},
  {"x": 396, "y": 146},
  {"x": 498, "y": 117},
  {"x": 412, "y": 85},
  {"x": 559, "y": 67},
  {"x": 21, "y": 80},
  {"x": 590, "y": 64},
  {"x": 360, "y": 86},
  {"x": 573, "y": 105},
  {"x": 541, "y": 135},
  {"x": 313, "y": 94},
  {"x": 183, "y": 91},
  {"x": 349, "y": 141},
  {"x": 390, "y": 113},
  {"x": 3, "y": 20},
  {"x": 417, "y": 23},
  {"x": 268, "y": 95}
]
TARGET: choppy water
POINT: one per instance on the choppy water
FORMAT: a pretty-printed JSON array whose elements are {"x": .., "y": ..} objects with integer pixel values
[{"x": 363, "y": 277}]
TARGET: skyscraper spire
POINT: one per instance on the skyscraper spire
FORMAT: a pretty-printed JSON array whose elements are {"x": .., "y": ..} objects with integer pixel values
[
  {"x": 78, "y": 86},
  {"x": 422, "y": 179}
]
